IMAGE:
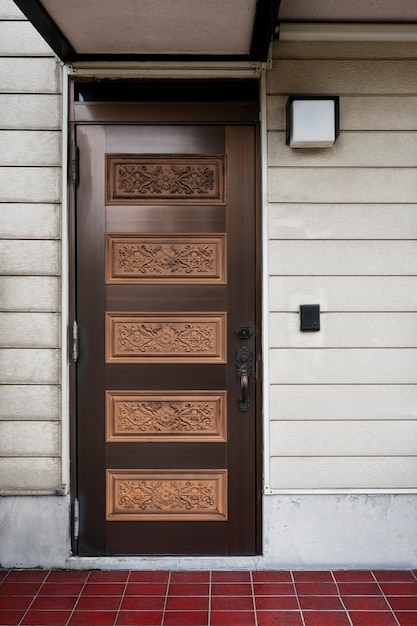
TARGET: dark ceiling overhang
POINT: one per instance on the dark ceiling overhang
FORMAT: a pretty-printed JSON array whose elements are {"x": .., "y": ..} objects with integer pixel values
[{"x": 155, "y": 30}]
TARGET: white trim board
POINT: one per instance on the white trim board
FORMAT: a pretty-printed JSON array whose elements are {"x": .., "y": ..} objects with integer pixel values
[{"x": 321, "y": 31}]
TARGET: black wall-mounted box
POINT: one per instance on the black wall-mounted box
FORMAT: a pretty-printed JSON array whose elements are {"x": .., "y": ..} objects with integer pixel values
[{"x": 309, "y": 317}]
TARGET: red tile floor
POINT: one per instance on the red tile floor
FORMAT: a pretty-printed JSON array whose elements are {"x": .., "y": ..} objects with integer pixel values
[{"x": 203, "y": 598}]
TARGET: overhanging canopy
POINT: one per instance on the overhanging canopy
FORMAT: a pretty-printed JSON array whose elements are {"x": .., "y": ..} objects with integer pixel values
[
  {"x": 95, "y": 30},
  {"x": 194, "y": 30}
]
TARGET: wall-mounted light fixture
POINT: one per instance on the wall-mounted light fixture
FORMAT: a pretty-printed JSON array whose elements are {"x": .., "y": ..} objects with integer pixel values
[{"x": 312, "y": 121}]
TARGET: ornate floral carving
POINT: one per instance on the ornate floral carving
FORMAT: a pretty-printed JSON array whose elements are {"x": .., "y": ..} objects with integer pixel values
[
  {"x": 192, "y": 337},
  {"x": 169, "y": 178},
  {"x": 185, "y": 494},
  {"x": 166, "y": 416},
  {"x": 166, "y": 338},
  {"x": 164, "y": 177},
  {"x": 166, "y": 495},
  {"x": 166, "y": 259}
]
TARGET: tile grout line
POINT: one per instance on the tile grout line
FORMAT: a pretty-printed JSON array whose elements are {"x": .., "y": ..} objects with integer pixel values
[
  {"x": 78, "y": 599},
  {"x": 166, "y": 598},
  {"x": 122, "y": 597},
  {"x": 385, "y": 598},
  {"x": 209, "y": 598},
  {"x": 297, "y": 598},
  {"x": 253, "y": 599},
  {"x": 33, "y": 598},
  {"x": 341, "y": 598}
]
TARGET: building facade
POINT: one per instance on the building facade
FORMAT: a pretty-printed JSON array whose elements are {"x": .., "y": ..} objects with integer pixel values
[{"x": 336, "y": 473}]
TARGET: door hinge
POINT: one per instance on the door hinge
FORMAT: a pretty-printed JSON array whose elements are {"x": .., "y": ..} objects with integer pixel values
[
  {"x": 76, "y": 518},
  {"x": 75, "y": 163},
  {"x": 75, "y": 342}
]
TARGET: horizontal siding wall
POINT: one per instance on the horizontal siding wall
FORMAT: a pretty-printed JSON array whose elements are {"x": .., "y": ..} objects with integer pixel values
[
  {"x": 30, "y": 162},
  {"x": 343, "y": 234}
]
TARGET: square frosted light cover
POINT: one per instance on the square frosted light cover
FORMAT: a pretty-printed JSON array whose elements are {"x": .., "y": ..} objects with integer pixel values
[{"x": 312, "y": 123}]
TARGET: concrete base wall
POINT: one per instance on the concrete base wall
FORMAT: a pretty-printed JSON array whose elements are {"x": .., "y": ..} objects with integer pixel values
[
  {"x": 34, "y": 531},
  {"x": 340, "y": 531},
  {"x": 300, "y": 532}
]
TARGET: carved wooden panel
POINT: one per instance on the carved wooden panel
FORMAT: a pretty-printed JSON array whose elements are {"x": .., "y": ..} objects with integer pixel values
[
  {"x": 167, "y": 178},
  {"x": 181, "y": 495},
  {"x": 166, "y": 338},
  {"x": 166, "y": 416},
  {"x": 175, "y": 259}
]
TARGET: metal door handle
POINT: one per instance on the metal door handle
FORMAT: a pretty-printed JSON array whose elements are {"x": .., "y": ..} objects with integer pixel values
[
  {"x": 244, "y": 401},
  {"x": 243, "y": 370}
]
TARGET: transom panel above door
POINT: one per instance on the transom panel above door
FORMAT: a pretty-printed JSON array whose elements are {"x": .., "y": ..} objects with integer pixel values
[{"x": 167, "y": 419}]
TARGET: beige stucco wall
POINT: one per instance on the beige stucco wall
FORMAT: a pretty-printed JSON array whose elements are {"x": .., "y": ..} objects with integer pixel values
[
  {"x": 30, "y": 253},
  {"x": 342, "y": 233}
]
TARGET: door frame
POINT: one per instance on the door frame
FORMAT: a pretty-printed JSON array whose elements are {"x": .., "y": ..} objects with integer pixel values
[{"x": 143, "y": 114}]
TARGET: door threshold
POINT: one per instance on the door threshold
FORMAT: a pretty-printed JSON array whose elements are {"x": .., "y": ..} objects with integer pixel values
[{"x": 174, "y": 563}]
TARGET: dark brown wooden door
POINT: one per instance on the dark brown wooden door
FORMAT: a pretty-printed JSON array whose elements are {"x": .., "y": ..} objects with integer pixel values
[{"x": 166, "y": 300}]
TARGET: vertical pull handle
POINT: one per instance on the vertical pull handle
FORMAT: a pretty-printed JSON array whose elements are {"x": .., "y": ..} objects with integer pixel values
[
  {"x": 244, "y": 403},
  {"x": 243, "y": 370}
]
